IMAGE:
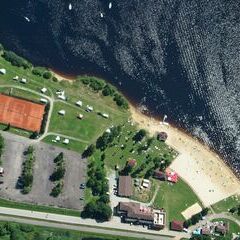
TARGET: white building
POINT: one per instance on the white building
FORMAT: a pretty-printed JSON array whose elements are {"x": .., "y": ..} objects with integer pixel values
[
  {"x": 62, "y": 97},
  {"x": 15, "y": 78},
  {"x": 23, "y": 80},
  {"x": 43, "y": 100},
  {"x": 89, "y": 108},
  {"x": 62, "y": 112},
  {"x": 44, "y": 90},
  {"x": 79, "y": 103},
  {"x": 80, "y": 116},
  {"x": 3, "y": 71},
  {"x": 105, "y": 115},
  {"x": 66, "y": 141}
]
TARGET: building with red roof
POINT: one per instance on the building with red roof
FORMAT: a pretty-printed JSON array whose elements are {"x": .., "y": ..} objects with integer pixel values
[
  {"x": 172, "y": 176},
  {"x": 176, "y": 225},
  {"x": 131, "y": 162}
]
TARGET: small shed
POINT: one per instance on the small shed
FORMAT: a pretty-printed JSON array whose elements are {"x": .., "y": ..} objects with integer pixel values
[
  {"x": 80, "y": 116},
  {"x": 105, "y": 115},
  {"x": 3, "y": 71},
  {"x": 62, "y": 112},
  {"x": 44, "y": 90},
  {"x": 43, "y": 100},
  {"x": 162, "y": 136},
  {"x": 66, "y": 141},
  {"x": 79, "y": 103},
  {"x": 89, "y": 108},
  {"x": 176, "y": 225},
  {"x": 23, "y": 80}
]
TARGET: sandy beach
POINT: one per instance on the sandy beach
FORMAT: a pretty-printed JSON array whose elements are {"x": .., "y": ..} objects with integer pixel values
[{"x": 205, "y": 172}]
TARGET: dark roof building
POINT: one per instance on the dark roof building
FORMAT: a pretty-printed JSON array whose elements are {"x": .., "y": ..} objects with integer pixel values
[
  {"x": 125, "y": 188},
  {"x": 136, "y": 213},
  {"x": 206, "y": 231},
  {"x": 162, "y": 136},
  {"x": 177, "y": 225},
  {"x": 160, "y": 175},
  {"x": 131, "y": 162},
  {"x": 222, "y": 229}
]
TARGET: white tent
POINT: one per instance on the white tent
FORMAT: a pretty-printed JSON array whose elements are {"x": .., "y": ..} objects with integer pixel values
[
  {"x": 66, "y": 141},
  {"x": 43, "y": 100},
  {"x": 79, "y": 103},
  {"x": 62, "y": 112},
  {"x": 23, "y": 80},
  {"x": 16, "y": 78},
  {"x": 43, "y": 90},
  {"x": 3, "y": 71}
]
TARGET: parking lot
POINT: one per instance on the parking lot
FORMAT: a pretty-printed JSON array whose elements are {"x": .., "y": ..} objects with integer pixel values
[{"x": 13, "y": 158}]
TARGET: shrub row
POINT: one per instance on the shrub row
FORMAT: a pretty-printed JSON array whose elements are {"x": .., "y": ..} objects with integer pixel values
[
  {"x": 27, "y": 170},
  {"x": 1, "y": 147},
  {"x": 15, "y": 60},
  {"x": 58, "y": 175}
]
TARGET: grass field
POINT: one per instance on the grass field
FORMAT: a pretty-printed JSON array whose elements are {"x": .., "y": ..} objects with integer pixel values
[
  {"x": 73, "y": 145},
  {"x": 226, "y": 204},
  {"x": 87, "y": 129},
  {"x": 175, "y": 198},
  {"x": 38, "y": 208},
  {"x": 31, "y": 232}
]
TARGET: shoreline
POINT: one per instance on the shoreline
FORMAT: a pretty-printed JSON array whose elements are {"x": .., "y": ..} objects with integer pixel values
[
  {"x": 194, "y": 154},
  {"x": 196, "y": 163}
]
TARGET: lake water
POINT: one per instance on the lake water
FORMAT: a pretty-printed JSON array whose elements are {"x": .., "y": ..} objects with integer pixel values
[{"x": 180, "y": 58}]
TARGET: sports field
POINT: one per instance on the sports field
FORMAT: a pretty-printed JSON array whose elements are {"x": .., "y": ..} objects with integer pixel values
[{"x": 21, "y": 113}]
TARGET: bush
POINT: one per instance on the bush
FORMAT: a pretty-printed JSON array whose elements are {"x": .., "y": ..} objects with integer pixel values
[
  {"x": 1, "y": 145},
  {"x": 47, "y": 75},
  {"x": 108, "y": 91},
  {"x": 1, "y": 47},
  {"x": 27, "y": 171},
  {"x": 139, "y": 135},
  {"x": 15, "y": 60},
  {"x": 120, "y": 101},
  {"x": 89, "y": 151},
  {"x": 54, "y": 79},
  {"x": 204, "y": 212},
  {"x": 26, "y": 228},
  {"x": 37, "y": 72},
  {"x": 96, "y": 84},
  {"x": 57, "y": 189},
  {"x": 85, "y": 81}
]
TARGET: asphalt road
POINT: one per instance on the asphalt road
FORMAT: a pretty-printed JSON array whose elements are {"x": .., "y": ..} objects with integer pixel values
[
  {"x": 84, "y": 228},
  {"x": 113, "y": 227}
]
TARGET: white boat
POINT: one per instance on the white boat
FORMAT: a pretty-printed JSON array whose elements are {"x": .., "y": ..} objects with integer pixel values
[
  {"x": 70, "y": 6},
  {"x": 27, "y": 19},
  {"x": 101, "y": 15},
  {"x": 110, "y": 5}
]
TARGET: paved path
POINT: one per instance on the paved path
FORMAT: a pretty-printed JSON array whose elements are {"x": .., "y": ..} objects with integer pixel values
[
  {"x": 115, "y": 223},
  {"x": 154, "y": 196}
]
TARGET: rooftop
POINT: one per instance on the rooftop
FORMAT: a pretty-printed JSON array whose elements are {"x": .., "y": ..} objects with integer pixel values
[{"x": 125, "y": 186}]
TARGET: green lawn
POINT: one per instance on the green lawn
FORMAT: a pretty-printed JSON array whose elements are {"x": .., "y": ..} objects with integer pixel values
[
  {"x": 86, "y": 130},
  {"x": 175, "y": 198},
  {"x": 123, "y": 148},
  {"x": 73, "y": 145},
  {"x": 32, "y": 232},
  {"x": 226, "y": 204},
  {"x": 38, "y": 208}
]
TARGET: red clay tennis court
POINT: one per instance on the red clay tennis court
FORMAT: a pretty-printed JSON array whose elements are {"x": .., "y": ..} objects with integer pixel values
[{"x": 21, "y": 113}]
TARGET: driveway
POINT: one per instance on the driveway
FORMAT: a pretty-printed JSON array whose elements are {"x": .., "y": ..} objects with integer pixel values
[{"x": 44, "y": 166}]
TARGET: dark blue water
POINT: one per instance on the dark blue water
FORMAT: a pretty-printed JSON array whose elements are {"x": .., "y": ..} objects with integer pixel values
[{"x": 180, "y": 58}]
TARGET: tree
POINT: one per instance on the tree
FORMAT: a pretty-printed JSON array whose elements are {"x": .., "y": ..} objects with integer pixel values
[
  {"x": 204, "y": 212},
  {"x": 187, "y": 223},
  {"x": 58, "y": 173},
  {"x": 34, "y": 135},
  {"x": 89, "y": 151},
  {"x": 15, "y": 60},
  {"x": 57, "y": 189},
  {"x": 107, "y": 90},
  {"x": 47, "y": 75},
  {"x": 59, "y": 158},
  {"x": 104, "y": 198},
  {"x": 3, "y": 230},
  {"x": 103, "y": 212},
  {"x": 37, "y": 72},
  {"x": 1, "y": 47},
  {"x": 233, "y": 210},
  {"x": 139, "y": 135}
]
